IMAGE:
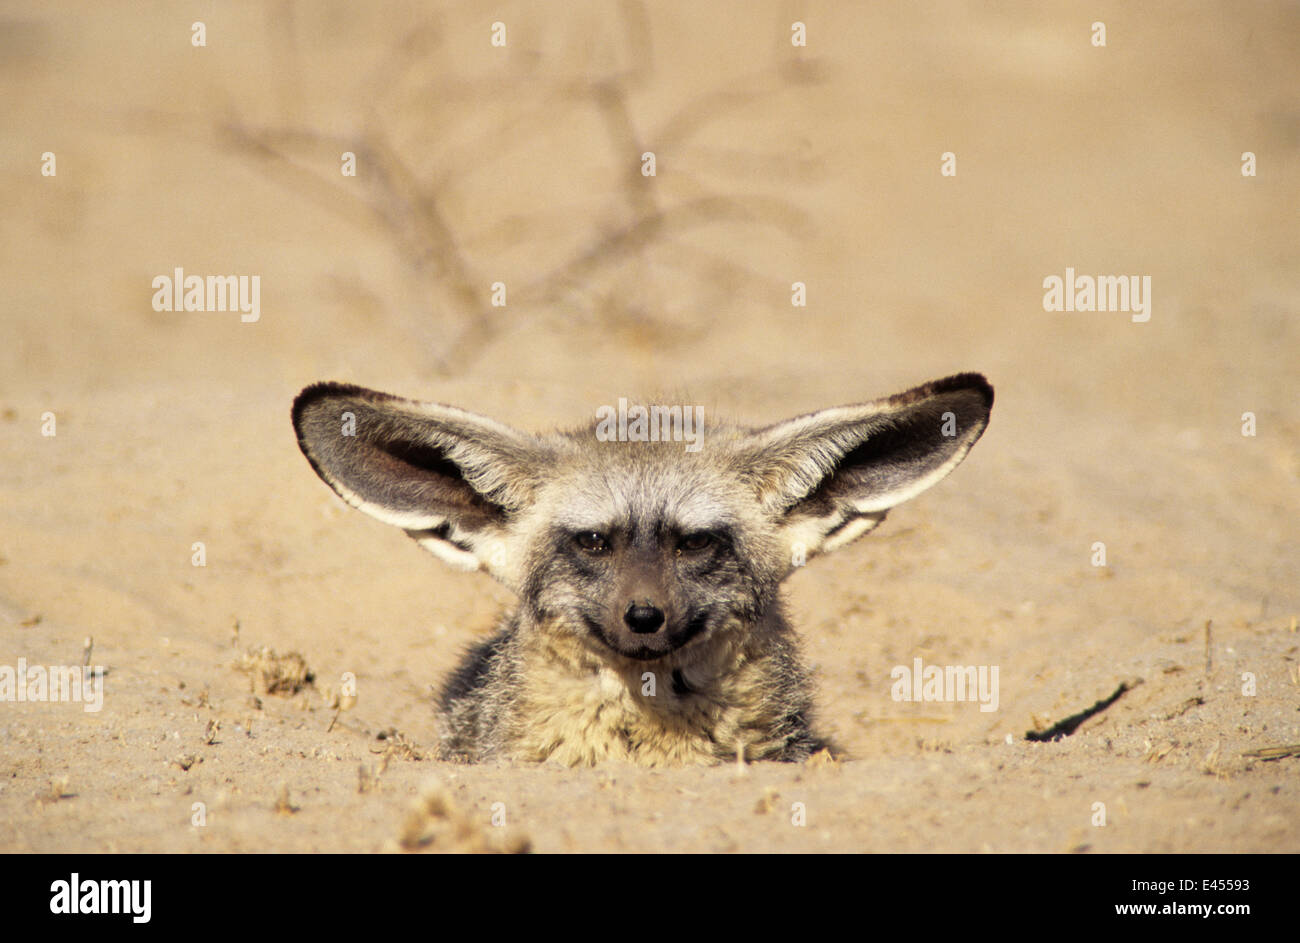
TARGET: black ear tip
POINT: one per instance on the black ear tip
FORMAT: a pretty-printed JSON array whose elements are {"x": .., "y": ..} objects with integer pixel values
[
  {"x": 319, "y": 391},
  {"x": 309, "y": 395},
  {"x": 961, "y": 382}
]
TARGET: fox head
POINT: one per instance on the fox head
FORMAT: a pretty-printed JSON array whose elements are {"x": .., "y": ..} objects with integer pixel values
[{"x": 643, "y": 549}]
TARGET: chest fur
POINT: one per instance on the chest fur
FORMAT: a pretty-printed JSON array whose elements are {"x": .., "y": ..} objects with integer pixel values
[{"x": 574, "y": 709}]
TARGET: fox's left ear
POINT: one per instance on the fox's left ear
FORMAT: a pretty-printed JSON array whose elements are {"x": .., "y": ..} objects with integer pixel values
[
  {"x": 831, "y": 476},
  {"x": 450, "y": 478}
]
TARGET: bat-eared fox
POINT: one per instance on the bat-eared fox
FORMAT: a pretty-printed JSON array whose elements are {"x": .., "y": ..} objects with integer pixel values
[{"x": 649, "y": 627}]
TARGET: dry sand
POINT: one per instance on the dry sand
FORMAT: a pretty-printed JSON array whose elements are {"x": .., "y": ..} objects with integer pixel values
[{"x": 774, "y": 165}]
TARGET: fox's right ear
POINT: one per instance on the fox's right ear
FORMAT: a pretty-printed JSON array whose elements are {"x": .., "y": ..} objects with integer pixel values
[
  {"x": 831, "y": 476},
  {"x": 448, "y": 477}
]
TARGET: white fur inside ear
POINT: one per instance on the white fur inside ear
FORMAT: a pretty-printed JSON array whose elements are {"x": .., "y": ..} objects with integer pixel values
[
  {"x": 806, "y": 537},
  {"x": 851, "y": 532},
  {"x": 809, "y": 536},
  {"x": 407, "y": 520},
  {"x": 449, "y": 553},
  {"x": 886, "y": 500}
]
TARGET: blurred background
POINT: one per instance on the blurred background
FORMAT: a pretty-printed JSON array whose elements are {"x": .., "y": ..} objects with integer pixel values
[{"x": 774, "y": 164}]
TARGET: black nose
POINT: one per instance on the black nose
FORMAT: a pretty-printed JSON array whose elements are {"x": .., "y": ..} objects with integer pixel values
[{"x": 643, "y": 619}]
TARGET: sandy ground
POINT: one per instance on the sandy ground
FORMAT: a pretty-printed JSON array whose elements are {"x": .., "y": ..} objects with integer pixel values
[{"x": 775, "y": 164}]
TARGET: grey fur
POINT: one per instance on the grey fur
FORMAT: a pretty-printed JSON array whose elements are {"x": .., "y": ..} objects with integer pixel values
[{"x": 650, "y": 627}]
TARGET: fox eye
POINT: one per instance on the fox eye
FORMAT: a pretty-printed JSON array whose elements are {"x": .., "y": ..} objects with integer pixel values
[
  {"x": 592, "y": 542},
  {"x": 694, "y": 543}
]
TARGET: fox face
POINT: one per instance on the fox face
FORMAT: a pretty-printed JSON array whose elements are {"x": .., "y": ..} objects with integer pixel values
[
  {"x": 645, "y": 554},
  {"x": 636, "y": 557}
]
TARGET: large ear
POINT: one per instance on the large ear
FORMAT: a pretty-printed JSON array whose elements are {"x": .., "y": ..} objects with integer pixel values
[
  {"x": 831, "y": 476},
  {"x": 449, "y": 478}
]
